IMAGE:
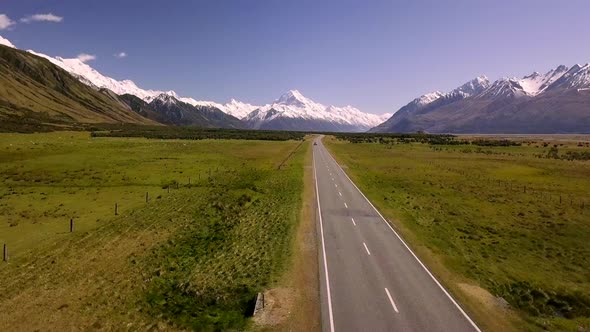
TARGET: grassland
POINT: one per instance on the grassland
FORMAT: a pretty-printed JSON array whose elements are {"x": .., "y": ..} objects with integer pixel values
[
  {"x": 502, "y": 220},
  {"x": 218, "y": 228}
]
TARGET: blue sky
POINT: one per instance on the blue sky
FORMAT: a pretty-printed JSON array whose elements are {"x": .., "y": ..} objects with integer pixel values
[{"x": 374, "y": 55}]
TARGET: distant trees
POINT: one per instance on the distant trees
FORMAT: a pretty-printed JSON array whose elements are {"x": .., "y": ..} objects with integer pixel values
[{"x": 193, "y": 133}]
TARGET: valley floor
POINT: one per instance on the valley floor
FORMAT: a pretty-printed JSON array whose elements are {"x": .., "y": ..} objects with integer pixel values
[{"x": 199, "y": 228}]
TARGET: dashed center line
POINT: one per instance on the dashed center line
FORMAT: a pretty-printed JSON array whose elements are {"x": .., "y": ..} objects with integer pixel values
[
  {"x": 391, "y": 300},
  {"x": 346, "y": 206},
  {"x": 339, "y": 193},
  {"x": 353, "y": 221},
  {"x": 367, "y": 249},
  {"x": 335, "y": 185}
]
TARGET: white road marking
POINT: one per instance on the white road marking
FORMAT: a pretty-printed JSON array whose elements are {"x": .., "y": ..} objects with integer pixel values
[
  {"x": 411, "y": 252},
  {"x": 346, "y": 206},
  {"x": 335, "y": 185},
  {"x": 391, "y": 300},
  {"x": 367, "y": 249},
  {"x": 339, "y": 193},
  {"x": 317, "y": 193},
  {"x": 353, "y": 221}
]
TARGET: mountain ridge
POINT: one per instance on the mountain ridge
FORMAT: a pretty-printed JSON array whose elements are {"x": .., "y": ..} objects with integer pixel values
[
  {"x": 555, "y": 102},
  {"x": 344, "y": 117}
]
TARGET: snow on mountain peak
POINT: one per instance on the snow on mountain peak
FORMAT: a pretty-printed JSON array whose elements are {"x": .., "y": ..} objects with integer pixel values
[
  {"x": 576, "y": 77},
  {"x": 473, "y": 87},
  {"x": 166, "y": 98},
  {"x": 536, "y": 82},
  {"x": 428, "y": 98},
  {"x": 293, "y": 97},
  {"x": 296, "y": 106},
  {"x": 6, "y": 42}
]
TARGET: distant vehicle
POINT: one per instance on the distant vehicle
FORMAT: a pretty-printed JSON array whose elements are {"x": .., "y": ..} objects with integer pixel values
[{"x": 315, "y": 143}]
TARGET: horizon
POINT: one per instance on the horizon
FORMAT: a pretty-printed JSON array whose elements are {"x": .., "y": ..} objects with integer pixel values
[{"x": 370, "y": 65}]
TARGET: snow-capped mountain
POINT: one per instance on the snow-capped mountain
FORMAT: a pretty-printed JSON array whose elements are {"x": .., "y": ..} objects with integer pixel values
[
  {"x": 235, "y": 108},
  {"x": 434, "y": 100},
  {"x": 90, "y": 76},
  {"x": 304, "y": 113},
  {"x": 293, "y": 111},
  {"x": 536, "y": 83},
  {"x": 555, "y": 102},
  {"x": 471, "y": 88},
  {"x": 577, "y": 77}
]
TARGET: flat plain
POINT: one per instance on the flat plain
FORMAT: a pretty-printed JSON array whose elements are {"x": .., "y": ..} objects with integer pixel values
[
  {"x": 505, "y": 227},
  {"x": 201, "y": 227}
]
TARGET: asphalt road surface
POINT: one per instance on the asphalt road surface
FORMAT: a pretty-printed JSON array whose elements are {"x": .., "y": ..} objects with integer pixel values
[{"x": 370, "y": 280}]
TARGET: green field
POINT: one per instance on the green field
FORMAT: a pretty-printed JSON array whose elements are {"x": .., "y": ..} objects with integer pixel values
[
  {"x": 501, "y": 218},
  {"x": 194, "y": 256}
]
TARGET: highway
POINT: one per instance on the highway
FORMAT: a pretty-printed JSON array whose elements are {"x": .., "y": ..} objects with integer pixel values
[{"x": 370, "y": 279}]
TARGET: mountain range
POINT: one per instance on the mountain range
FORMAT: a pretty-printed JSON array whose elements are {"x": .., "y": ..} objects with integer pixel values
[
  {"x": 555, "y": 102},
  {"x": 39, "y": 90},
  {"x": 292, "y": 111}
]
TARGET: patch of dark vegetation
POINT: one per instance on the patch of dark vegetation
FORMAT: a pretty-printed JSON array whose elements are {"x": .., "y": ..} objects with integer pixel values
[
  {"x": 553, "y": 153},
  {"x": 398, "y": 138},
  {"x": 432, "y": 139},
  {"x": 538, "y": 301},
  {"x": 191, "y": 133}
]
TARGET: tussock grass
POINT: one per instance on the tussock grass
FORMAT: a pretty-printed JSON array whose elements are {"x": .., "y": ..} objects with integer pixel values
[{"x": 190, "y": 258}]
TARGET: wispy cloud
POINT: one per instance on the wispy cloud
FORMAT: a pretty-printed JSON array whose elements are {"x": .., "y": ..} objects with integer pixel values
[
  {"x": 42, "y": 18},
  {"x": 121, "y": 55},
  {"x": 86, "y": 57},
  {"x": 5, "y": 22}
]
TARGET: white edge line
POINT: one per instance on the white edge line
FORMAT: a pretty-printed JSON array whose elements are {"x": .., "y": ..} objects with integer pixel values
[
  {"x": 367, "y": 249},
  {"x": 323, "y": 247},
  {"x": 353, "y": 221},
  {"x": 391, "y": 300},
  {"x": 410, "y": 250}
]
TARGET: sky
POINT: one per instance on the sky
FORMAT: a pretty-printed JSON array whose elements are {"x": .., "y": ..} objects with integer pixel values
[{"x": 374, "y": 55}]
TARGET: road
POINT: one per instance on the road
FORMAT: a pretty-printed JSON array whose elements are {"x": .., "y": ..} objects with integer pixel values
[{"x": 370, "y": 279}]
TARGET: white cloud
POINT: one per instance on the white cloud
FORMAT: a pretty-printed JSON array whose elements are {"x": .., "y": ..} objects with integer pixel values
[
  {"x": 86, "y": 57},
  {"x": 42, "y": 18},
  {"x": 121, "y": 55},
  {"x": 5, "y": 22}
]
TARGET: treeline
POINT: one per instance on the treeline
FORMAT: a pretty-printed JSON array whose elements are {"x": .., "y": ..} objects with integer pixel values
[
  {"x": 192, "y": 133},
  {"x": 396, "y": 138},
  {"x": 432, "y": 139}
]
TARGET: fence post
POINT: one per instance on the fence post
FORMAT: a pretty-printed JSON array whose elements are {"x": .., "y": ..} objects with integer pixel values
[
  {"x": 116, "y": 209},
  {"x": 4, "y": 253},
  {"x": 71, "y": 225},
  {"x": 189, "y": 180},
  {"x": 147, "y": 197}
]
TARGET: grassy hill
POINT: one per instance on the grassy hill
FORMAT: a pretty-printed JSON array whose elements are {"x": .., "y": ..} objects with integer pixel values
[{"x": 36, "y": 94}]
